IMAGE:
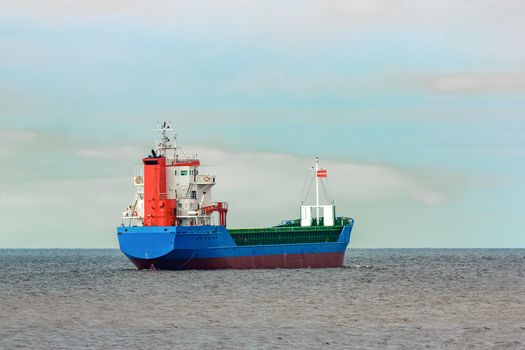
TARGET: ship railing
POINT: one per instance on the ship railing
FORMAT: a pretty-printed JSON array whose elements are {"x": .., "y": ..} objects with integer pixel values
[
  {"x": 222, "y": 205},
  {"x": 181, "y": 160},
  {"x": 285, "y": 229}
]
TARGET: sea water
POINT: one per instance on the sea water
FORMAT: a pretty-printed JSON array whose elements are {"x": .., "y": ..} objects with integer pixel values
[{"x": 381, "y": 299}]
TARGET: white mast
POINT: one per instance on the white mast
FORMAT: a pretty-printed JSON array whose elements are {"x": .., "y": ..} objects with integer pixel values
[
  {"x": 165, "y": 146},
  {"x": 328, "y": 209},
  {"x": 317, "y": 189}
]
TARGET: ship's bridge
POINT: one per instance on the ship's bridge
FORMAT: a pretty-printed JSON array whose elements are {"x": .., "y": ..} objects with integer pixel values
[{"x": 179, "y": 181}]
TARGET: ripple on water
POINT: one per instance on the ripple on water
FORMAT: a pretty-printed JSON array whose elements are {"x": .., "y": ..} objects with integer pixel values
[{"x": 393, "y": 299}]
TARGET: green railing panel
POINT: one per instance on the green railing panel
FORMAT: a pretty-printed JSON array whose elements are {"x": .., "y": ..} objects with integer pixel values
[{"x": 285, "y": 235}]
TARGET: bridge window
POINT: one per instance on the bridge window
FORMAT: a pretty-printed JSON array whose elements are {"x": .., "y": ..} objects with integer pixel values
[{"x": 184, "y": 172}]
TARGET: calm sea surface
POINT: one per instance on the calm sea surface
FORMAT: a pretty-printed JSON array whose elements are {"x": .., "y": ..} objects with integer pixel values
[{"x": 382, "y": 299}]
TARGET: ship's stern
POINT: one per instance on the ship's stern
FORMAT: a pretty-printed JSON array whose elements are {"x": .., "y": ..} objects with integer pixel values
[{"x": 145, "y": 244}]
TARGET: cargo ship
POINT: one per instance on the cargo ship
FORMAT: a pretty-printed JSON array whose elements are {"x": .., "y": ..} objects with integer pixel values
[{"x": 173, "y": 224}]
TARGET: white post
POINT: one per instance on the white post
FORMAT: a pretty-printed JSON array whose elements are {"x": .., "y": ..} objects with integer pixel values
[{"x": 317, "y": 189}]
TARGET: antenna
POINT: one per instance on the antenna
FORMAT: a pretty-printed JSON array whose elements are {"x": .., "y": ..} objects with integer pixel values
[
  {"x": 163, "y": 143},
  {"x": 317, "y": 189}
]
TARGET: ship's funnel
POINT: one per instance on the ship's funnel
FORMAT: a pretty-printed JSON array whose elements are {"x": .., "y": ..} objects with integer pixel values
[{"x": 157, "y": 207}]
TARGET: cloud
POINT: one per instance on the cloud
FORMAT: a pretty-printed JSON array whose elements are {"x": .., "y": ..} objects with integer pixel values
[
  {"x": 262, "y": 188},
  {"x": 16, "y": 142},
  {"x": 125, "y": 152},
  {"x": 56, "y": 9},
  {"x": 15, "y": 103},
  {"x": 67, "y": 212},
  {"x": 282, "y": 84},
  {"x": 287, "y": 14},
  {"x": 472, "y": 82},
  {"x": 246, "y": 170},
  {"x": 276, "y": 181}
]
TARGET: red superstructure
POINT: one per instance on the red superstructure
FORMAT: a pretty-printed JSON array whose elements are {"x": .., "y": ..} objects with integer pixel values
[{"x": 158, "y": 209}]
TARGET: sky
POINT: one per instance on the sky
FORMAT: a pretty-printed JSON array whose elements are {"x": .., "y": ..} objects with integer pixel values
[{"x": 416, "y": 108}]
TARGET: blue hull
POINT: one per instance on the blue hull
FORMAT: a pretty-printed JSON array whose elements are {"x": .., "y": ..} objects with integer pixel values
[{"x": 212, "y": 247}]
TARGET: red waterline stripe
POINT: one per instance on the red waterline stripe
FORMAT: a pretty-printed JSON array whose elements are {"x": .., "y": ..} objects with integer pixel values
[{"x": 288, "y": 261}]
